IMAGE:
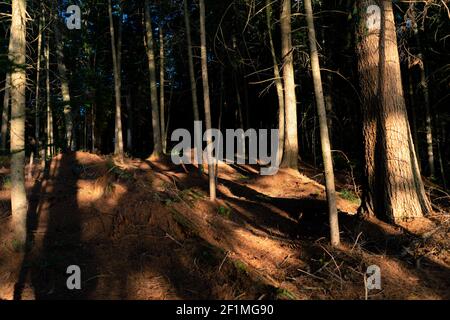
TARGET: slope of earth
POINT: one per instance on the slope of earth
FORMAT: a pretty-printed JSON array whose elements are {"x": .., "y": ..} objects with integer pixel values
[{"x": 143, "y": 229}]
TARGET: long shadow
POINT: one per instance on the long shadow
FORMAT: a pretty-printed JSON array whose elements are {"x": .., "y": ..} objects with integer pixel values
[
  {"x": 32, "y": 222},
  {"x": 61, "y": 245}
]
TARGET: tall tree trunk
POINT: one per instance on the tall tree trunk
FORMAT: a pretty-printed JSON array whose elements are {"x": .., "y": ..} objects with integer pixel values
[
  {"x": 65, "y": 92},
  {"x": 115, "y": 51},
  {"x": 157, "y": 151},
  {"x": 394, "y": 190},
  {"x": 161, "y": 88},
  {"x": 290, "y": 156},
  {"x": 38, "y": 74},
  {"x": 278, "y": 82},
  {"x": 17, "y": 54},
  {"x": 206, "y": 101},
  {"x": 50, "y": 143},
  {"x": 324, "y": 138},
  {"x": 5, "y": 111},
  {"x": 198, "y": 153}
]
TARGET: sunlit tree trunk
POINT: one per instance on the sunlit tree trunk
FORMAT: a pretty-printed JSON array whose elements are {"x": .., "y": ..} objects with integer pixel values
[
  {"x": 161, "y": 87},
  {"x": 206, "y": 101},
  {"x": 324, "y": 138},
  {"x": 67, "y": 108},
  {"x": 278, "y": 82},
  {"x": 115, "y": 51},
  {"x": 17, "y": 54},
  {"x": 290, "y": 156},
  {"x": 394, "y": 187},
  {"x": 5, "y": 111},
  {"x": 157, "y": 151}
]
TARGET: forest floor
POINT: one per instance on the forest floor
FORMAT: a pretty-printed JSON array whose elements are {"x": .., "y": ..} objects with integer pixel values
[{"x": 146, "y": 230}]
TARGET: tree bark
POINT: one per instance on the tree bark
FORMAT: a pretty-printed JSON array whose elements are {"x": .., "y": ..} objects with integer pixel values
[
  {"x": 195, "y": 109},
  {"x": 278, "y": 83},
  {"x": 118, "y": 140},
  {"x": 394, "y": 188},
  {"x": 50, "y": 146},
  {"x": 161, "y": 88},
  {"x": 17, "y": 54},
  {"x": 157, "y": 149},
  {"x": 206, "y": 100},
  {"x": 290, "y": 156},
  {"x": 65, "y": 92},
  {"x": 38, "y": 74},
  {"x": 5, "y": 111},
  {"x": 324, "y": 138}
]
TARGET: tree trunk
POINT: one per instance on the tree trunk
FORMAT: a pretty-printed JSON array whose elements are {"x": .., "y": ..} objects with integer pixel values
[
  {"x": 198, "y": 153},
  {"x": 38, "y": 74},
  {"x": 412, "y": 106},
  {"x": 394, "y": 188},
  {"x": 157, "y": 151},
  {"x": 290, "y": 156},
  {"x": 17, "y": 53},
  {"x": 324, "y": 138},
  {"x": 118, "y": 138},
  {"x": 50, "y": 146},
  {"x": 67, "y": 109},
  {"x": 206, "y": 101},
  {"x": 161, "y": 88},
  {"x": 5, "y": 111}
]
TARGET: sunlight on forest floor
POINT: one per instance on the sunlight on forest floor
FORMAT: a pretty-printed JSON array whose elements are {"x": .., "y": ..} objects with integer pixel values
[{"x": 146, "y": 230}]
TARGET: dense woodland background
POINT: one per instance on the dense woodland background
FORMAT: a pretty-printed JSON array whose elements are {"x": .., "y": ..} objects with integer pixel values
[{"x": 135, "y": 72}]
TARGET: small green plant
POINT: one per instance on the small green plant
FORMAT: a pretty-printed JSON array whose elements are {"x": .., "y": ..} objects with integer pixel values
[
  {"x": 224, "y": 211},
  {"x": 349, "y": 195},
  {"x": 284, "y": 293},
  {"x": 240, "y": 266}
]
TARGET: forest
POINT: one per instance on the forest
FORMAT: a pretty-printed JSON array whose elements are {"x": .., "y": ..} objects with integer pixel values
[{"x": 225, "y": 150}]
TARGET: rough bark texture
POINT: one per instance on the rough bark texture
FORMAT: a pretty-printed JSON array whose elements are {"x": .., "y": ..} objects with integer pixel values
[
  {"x": 118, "y": 137},
  {"x": 324, "y": 138},
  {"x": 206, "y": 101},
  {"x": 17, "y": 52},
  {"x": 290, "y": 156},
  {"x": 157, "y": 144},
  {"x": 394, "y": 188}
]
